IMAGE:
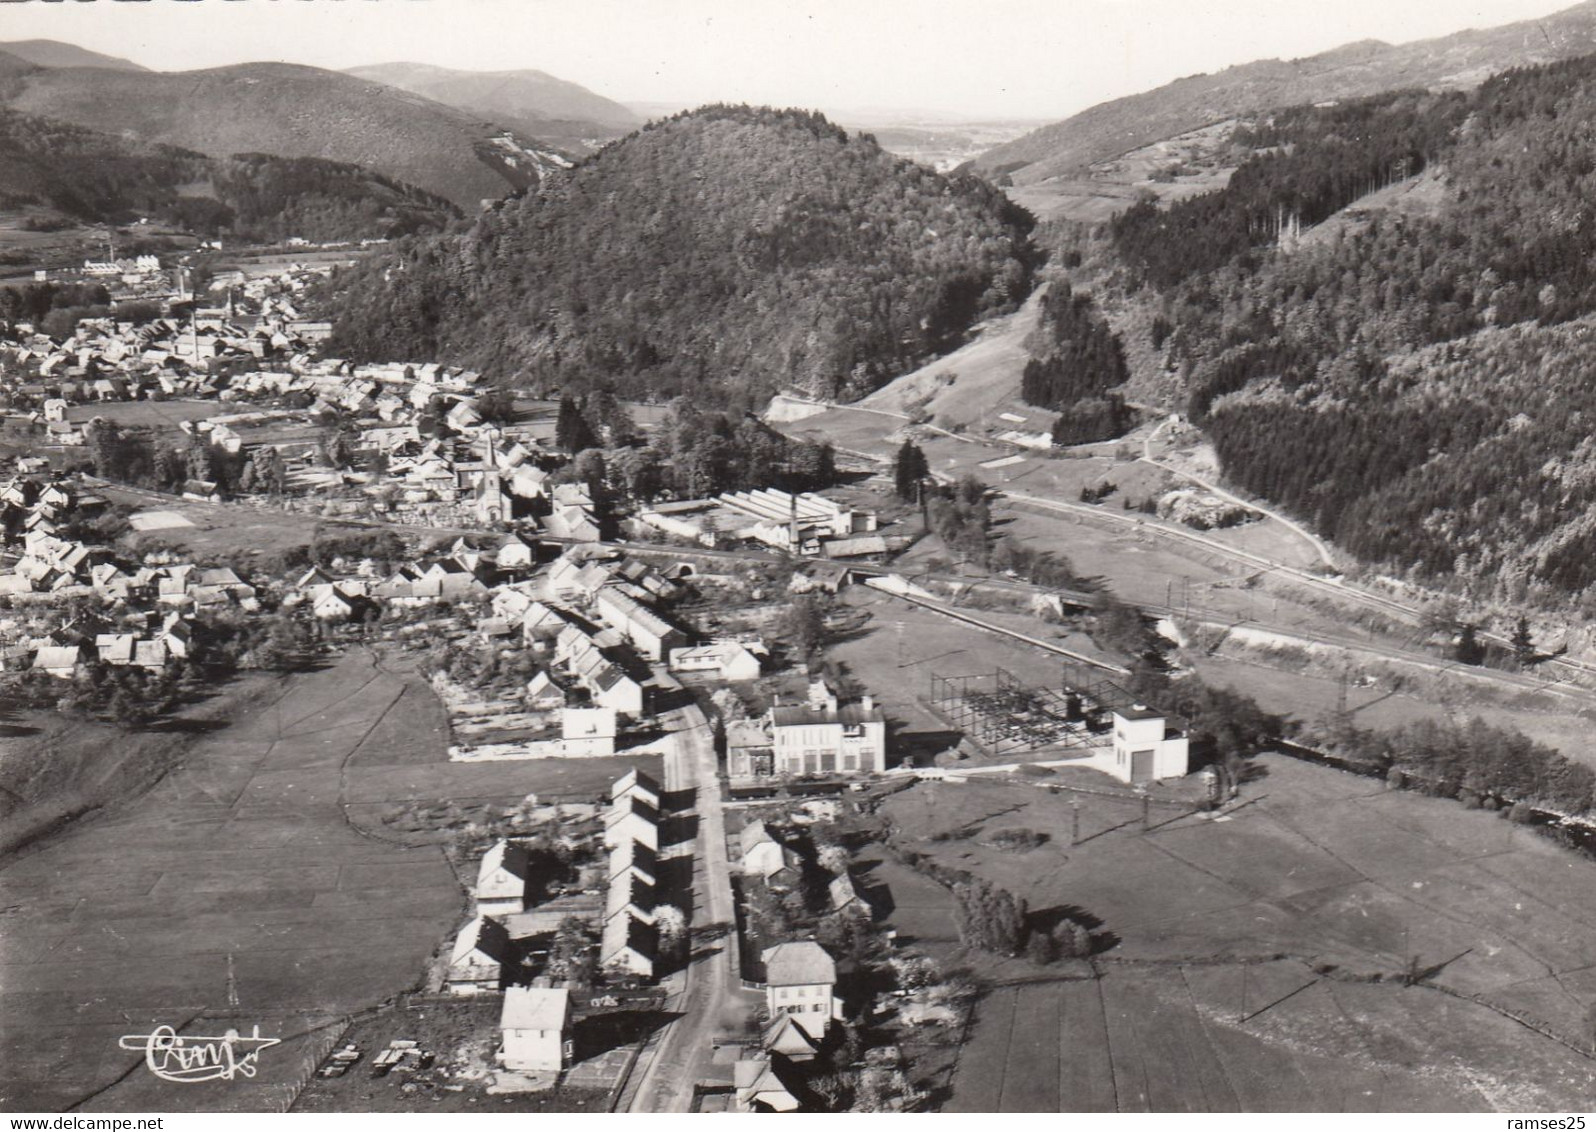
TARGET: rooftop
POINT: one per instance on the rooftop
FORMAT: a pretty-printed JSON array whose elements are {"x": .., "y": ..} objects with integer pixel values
[
  {"x": 804, "y": 963},
  {"x": 535, "y": 1008}
]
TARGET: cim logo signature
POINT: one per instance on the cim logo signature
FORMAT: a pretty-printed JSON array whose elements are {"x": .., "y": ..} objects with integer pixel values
[{"x": 187, "y": 1058}]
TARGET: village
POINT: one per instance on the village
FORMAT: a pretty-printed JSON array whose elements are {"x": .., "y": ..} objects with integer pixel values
[
  {"x": 557, "y": 619},
  {"x": 750, "y": 798}
]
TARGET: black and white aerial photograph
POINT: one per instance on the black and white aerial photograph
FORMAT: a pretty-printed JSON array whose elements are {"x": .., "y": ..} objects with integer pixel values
[{"x": 797, "y": 556}]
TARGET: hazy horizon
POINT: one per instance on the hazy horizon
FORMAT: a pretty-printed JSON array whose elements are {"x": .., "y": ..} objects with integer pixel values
[{"x": 1002, "y": 59}]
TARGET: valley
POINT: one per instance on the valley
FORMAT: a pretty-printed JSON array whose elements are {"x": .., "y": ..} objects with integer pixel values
[{"x": 514, "y": 600}]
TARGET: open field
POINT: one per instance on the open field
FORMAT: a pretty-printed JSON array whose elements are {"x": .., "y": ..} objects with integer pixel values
[
  {"x": 1112, "y": 186},
  {"x": 149, "y": 414},
  {"x": 1311, "y": 695},
  {"x": 222, "y": 530},
  {"x": 52, "y": 767},
  {"x": 245, "y": 887},
  {"x": 1323, "y": 887},
  {"x": 1169, "y": 1040},
  {"x": 985, "y": 376}
]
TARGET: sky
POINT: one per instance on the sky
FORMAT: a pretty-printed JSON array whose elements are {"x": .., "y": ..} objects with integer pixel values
[{"x": 1030, "y": 59}]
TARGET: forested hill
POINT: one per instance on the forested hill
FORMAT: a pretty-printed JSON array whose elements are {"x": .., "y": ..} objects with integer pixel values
[
  {"x": 723, "y": 253},
  {"x": 91, "y": 177},
  {"x": 1416, "y": 383}
]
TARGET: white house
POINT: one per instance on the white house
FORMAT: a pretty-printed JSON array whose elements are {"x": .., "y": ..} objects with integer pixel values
[
  {"x": 649, "y": 633},
  {"x": 502, "y": 878},
  {"x": 725, "y": 660},
  {"x": 60, "y": 661},
  {"x": 762, "y": 855},
  {"x": 588, "y": 731},
  {"x": 635, "y": 859},
  {"x": 535, "y": 1028},
  {"x": 629, "y": 944},
  {"x": 1146, "y": 748},
  {"x": 631, "y": 819},
  {"x": 823, "y": 736},
  {"x": 477, "y": 962},
  {"x": 799, "y": 980},
  {"x": 517, "y": 552},
  {"x": 635, "y": 783}
]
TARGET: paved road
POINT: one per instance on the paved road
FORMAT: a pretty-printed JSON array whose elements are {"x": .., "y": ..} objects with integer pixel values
[{"x": 707, "y": 996}]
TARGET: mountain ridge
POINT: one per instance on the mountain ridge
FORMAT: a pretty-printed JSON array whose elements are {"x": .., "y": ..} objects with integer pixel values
[
  {"x": 290, "y": 110},
  {"x": 96, "y": 178},
  {"x": 1364, "y": 67},
  {"x": 531, "y": 100},
  {"x": 56, "y": 53}
]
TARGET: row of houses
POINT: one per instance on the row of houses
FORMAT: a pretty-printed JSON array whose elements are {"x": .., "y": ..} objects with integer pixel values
[{"x": 630, "y": 940}]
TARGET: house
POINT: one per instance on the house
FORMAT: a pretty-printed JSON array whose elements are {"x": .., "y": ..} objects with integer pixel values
[
  {"x": 762, "y": 854},
  {"x": 650, "y": 634},
  {"x": 631, "y": 819},
  {"x": 535, "y": 1029},
  {"x": 332, "y": 604},
  {"x": 611, "y": 687},
  {"x": 502, "y": 879},
  {"x": 543, "y": 694},
  {"x": 637, "y": 784},
  {"x": 823, "y": 736},
  {"x": 799, "y": 980},
  {"x": 511, "y": 603},
  {"x": 528, "y": 482},
  {"x": 629, "y": 895},
  {"x": 477, "y": 961},
  {"x": 760, "y": 1087},
  {"x": 543, "y": 622},
  {"x": 629, "y": 945},
  {"x": 750, "y": 752},
  {"x": 61, "y": 661},
  {"x": 176, "y": 636},
  {"x": 845, "y": 896},
  {"x": 564, "y": 579},
  {"x": 576, "y": 524},
  {"x": 633, "y": 858},
  {"x": 116, "y": 648},
  {"x": 1146, "y": 748},
  {"x": 517, "y": 552},
  {"x": 725, "y": 660},
  {"x": 785, "y": 1037},
  {"x": 588, "y": 731}
]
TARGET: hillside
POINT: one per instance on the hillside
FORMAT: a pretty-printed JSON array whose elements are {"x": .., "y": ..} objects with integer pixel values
[
  {"x": 1417, "y": 386},
  {"x": 51, "y": 53},
  {"x": 533, "y": 102},
  {"x": 92, "y": 177},
  {"x": 289, "y": 111},
  {"x": 724, "y": 253},
  {"x": 1355, "y": 70}
]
